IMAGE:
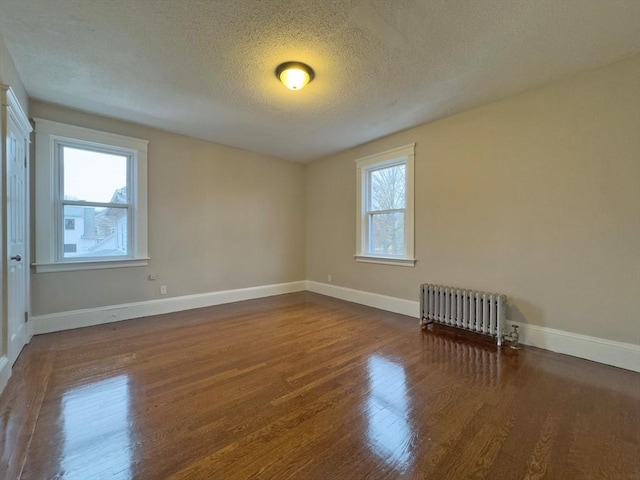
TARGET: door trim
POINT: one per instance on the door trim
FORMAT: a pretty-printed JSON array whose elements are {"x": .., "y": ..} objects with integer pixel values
[{"x": 11, "y": 109}]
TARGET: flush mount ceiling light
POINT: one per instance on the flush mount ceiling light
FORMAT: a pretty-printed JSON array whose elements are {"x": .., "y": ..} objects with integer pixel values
[{"x": 294, "y": 75}]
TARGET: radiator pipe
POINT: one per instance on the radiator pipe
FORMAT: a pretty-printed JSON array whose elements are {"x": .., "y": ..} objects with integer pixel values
[{"x": 513, "y": 337}]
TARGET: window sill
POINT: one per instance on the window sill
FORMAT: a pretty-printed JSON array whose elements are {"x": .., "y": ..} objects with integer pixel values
[
  {"x": 400, "y": 262},
  {"x": 90, "y": 265}
]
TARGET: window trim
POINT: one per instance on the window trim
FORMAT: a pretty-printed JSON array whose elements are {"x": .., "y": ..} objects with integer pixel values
[
  {"x": 51, "y": 136},
  {"x": 404, "y": 154}
]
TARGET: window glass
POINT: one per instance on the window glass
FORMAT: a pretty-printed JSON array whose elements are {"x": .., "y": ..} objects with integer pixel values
[
  {"x": 100, "y": 232},
  {"x": 387, "y": 188},
  {"x": 92, "y": 176},
  {"x": 387, "y": 234}
]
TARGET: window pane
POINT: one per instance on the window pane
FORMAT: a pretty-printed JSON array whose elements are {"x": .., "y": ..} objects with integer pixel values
[
  {"x": 93, "y": 176},
  {"x": 99, "y": 232},
  {"x": 386, "y": 234},
  {"x": 387, "y": 188}
]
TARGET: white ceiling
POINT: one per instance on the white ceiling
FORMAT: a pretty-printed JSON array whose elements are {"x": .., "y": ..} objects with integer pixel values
[{"x": 205, "y": 68}]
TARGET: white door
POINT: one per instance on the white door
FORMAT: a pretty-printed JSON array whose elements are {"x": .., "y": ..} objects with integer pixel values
[{"x": 16, "y": 239}]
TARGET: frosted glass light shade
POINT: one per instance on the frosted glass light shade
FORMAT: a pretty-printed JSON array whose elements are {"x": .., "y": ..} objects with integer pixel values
[
  {"x": 294, "y": 75},
  {"x": 294, "y": 79}
]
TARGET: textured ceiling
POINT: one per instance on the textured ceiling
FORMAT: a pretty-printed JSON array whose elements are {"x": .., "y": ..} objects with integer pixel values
[{"x": 205, "y": 68}]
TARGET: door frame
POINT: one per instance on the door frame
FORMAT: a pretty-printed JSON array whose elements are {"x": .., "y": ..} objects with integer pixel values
[{"x": 11, "y": 109}]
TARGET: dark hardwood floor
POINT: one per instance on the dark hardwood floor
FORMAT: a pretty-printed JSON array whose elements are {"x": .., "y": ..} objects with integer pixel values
[{"x": 303, "y": 386}]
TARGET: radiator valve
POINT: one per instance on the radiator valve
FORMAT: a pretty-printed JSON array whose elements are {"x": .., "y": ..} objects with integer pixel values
[{"x": 512, "y": 338}]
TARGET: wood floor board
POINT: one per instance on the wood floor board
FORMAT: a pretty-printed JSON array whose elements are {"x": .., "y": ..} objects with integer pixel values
[{"x": 302, "y": 386}]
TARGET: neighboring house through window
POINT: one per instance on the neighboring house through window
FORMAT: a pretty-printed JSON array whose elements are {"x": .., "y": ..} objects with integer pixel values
[
  {"x": 385, "y": 207},
  {"x": 91, "y": 198}
]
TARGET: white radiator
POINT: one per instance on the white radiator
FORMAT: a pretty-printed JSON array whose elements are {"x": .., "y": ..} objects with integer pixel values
[{"x": 478, "y": 312}]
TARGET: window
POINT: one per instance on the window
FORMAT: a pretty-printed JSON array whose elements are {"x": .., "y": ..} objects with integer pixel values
[
  {"x": 91, "y": 198},
  {"x": 385, "y": 207}
]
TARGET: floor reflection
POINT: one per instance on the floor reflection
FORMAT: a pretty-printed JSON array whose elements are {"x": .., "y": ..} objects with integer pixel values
[
  {"x": 389, "y": 430},
  {"x": 97, "y": 440},
  {"x": 479, "y": 363}
]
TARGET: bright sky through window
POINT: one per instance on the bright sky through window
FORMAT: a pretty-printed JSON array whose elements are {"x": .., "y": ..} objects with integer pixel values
[{"x": 93, "y": 176}]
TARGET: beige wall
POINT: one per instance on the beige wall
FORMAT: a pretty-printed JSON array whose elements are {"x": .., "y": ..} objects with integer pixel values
[
  {"x": 536, "y": 196},
  {"x": 219, "y": 218},
  {"x": 9, "y": 76}
]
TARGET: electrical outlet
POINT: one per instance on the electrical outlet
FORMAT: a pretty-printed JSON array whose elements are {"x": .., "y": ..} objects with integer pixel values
[
  {"x": 329, "y": 278},
  {"x": 163, "y": 289}
]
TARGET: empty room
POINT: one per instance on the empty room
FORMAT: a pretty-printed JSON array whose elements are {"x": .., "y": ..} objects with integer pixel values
[{"x": 332, "y": 239}]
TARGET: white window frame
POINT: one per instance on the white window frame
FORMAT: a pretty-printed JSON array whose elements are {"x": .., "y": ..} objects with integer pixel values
[
  {"x": 397, "y": 156},
  {"x": 50, "y": 138}
]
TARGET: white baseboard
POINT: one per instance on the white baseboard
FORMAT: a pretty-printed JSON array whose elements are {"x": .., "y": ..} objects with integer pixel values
[
  {"x": 383, "y": 302},
  {"x": 55, "y": 322},
  {"x": 5, "y": 372},
  {"x": 618, "y": 354},
  {"x": 609, "y": 352}
]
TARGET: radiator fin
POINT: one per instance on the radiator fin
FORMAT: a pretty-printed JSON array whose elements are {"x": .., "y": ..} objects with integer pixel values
[{"x": 475, "y": 311}]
